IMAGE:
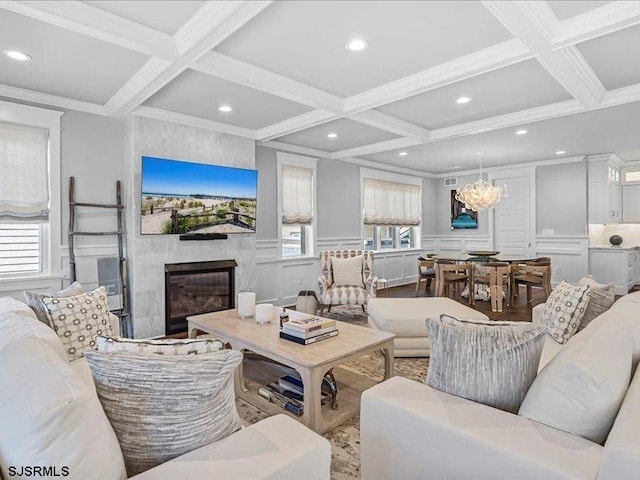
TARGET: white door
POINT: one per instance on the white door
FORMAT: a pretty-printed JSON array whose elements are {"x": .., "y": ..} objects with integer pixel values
[{"x": 512, "y": 217}]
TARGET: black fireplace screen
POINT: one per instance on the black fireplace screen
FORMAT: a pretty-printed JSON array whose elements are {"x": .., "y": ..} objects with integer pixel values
[{"x": 197, "y": 287}]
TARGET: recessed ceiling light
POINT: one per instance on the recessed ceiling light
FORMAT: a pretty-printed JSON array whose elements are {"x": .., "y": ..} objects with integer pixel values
[
  {"x": 356, "y": 45},
  {"x": 403, "y": 154},
  {"x": 457, "y": 167},
  {"x": 463, "y": 100},
  {"x": 16, "y": 55},
  {"x": 561, "y": 152},
  {"x": 225, "y": 108},
  {"x": 332, "y": 135},
  {"x": 521, "y": 132}
]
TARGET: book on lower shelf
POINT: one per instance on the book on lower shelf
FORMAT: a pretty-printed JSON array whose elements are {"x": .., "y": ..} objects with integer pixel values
[{"x": 307, "y": 341}]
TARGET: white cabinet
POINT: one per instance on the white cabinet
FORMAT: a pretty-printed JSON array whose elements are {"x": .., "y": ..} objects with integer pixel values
[
  {"x": 605, "y": 192},
  {"x": 611, "y": 265}
]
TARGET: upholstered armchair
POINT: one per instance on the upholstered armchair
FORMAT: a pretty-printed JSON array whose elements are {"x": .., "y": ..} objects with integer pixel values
[{"x": 359, "y": 291}]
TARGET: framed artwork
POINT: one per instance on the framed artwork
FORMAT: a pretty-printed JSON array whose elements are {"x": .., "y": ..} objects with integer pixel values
[{"x": 462, "y": 217}]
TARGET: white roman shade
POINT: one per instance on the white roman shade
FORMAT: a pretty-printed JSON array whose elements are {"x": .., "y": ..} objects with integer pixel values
[
  {"x": 390, "y": 203},
  {"x": 297, "y": 195},
  {"x": 24, "y": 174}
]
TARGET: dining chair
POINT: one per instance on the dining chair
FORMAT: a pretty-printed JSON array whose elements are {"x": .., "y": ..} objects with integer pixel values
[
  {"x": 497, "y": 277},
  {"x": 536, "y": 273},
  {"x": 450, "y": 273},
  {"x": 426, "y": 273}
]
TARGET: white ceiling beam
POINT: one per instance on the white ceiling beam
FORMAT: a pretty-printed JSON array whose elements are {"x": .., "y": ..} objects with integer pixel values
[
  {"x": 52, "y": 100},
  {"x": 383, "y": 121},
  {"x": 623, "y": 95},
  {"x": 385, "y": 146},
  {"x": 228, "y": 68},
  {"x": 387, "y": 167},
  {"x": 295, "y": 149},
  {"x": 534, "y": 24},
  {"x": 83, "y": 18},
  {"x": 477, "y": 63},
  {"x": 166, "y": 115},
  {"x": 295, "y": 124},
  {"x": 594, "y": 23},
  {"x": 208, "y": 27}
]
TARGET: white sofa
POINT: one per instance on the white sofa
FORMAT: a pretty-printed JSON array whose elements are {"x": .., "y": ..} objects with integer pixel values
[
  {"x": 278, "y": 447},
  {"x": 410, "y": 430}
]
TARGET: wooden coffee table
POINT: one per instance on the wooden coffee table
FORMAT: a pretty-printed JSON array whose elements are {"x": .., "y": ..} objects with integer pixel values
[{"x": 310, "y": 361}]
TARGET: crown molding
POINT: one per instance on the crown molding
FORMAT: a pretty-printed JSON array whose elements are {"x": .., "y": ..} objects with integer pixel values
[
  {"x": 165, "y": 115},
  {"x": 287, "y": 147},
  {"x": 383, "y": 121},
  {"x": 212, "y": 24},
  {"x": 387, "y": 145},
  {"x": 295, "y": 124},
  {"x": 48, "y": 99},
  {"x": 386, "y": 167},
  {"x": 595, "y": 23},
  {"x": 83, "y": 18},
  {"x": 228, "y": 68}
]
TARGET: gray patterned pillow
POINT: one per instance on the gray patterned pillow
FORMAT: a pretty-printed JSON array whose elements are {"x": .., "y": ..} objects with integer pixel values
[
  {"x": 564, "y": 310},
  {"x": 493, "y": 363},
  {"x": 35, "y": 300},
  {"x": 163, "y": 406},
  {"x": 161, "y": 347},
  {"x": 78, "y": 319},
  {"x": 601, "y": 297}
]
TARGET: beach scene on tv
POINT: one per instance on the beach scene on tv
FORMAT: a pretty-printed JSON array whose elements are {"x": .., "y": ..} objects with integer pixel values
[{"x": 192, "y": 198}]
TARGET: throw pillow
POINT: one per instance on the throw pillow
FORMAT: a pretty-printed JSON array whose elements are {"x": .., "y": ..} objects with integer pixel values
[
  {"x": 161, "y": 347},
  {"x": 564, "y": 310},
  {"x": 78, "y": 319},
  {"x": 35, "y": 300},
  {"x": 162, "y": 406},
  {"x": 581, "y": 389},
  {"x": 51, "y": 417},
  {"x": 347, "y": 271},
  {"x": 601, "y": 298},
  {"x": 493, "y": 363}
]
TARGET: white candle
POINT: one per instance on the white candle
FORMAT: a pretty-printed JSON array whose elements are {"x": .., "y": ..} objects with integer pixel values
[
  {"x": 246, "y": 304},
  {"x": 264, "y": 313}
]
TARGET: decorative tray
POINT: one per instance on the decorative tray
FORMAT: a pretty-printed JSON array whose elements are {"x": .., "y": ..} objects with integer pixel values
[{"x": 482, "y": 253}]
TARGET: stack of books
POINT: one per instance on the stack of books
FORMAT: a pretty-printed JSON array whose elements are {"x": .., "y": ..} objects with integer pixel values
[{"x": 309, "y": 330}]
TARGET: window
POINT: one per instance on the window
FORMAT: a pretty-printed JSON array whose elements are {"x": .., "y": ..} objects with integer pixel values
[
  {"x": 632, "y": 176},
  {"x": 391, "y": 211},
  {"x": 296, "y": 203},
  {"x": 29, "y": 185}
]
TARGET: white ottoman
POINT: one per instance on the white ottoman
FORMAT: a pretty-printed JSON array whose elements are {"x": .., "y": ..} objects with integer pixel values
[{"x": 406, "y": 318}]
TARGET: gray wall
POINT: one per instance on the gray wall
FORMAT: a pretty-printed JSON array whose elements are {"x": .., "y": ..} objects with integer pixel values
[
  {"x": 267, "y": 223},
  {"x": 338, "y": 199},
  {"x": 92, "y": 151},
  {"x": 561, "y": 198},
  {"x": 429, "y": 204},
  {"x": 443, "y": 205}
]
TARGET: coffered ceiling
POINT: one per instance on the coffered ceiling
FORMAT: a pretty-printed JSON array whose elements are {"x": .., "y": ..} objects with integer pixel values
[{"x": 564, "y": 71}]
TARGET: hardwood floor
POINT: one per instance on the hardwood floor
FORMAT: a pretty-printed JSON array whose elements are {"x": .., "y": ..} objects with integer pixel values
[{"x": 519, "y": 312}]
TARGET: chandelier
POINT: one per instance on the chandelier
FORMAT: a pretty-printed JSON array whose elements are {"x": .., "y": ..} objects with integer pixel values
[{"x": 480, "y": 195}]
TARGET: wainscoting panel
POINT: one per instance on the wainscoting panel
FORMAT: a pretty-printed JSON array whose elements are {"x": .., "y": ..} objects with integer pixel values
[{"x": 569, "y": 257}]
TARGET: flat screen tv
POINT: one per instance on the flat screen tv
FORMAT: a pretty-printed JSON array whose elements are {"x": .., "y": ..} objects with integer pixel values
[{"x": 196, "y": 198}]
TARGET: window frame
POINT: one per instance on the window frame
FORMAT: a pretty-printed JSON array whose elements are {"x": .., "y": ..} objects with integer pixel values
[
  {"x": 51, "y": 232},
  {"x": 417, "y": 230},
  {"x": 629, "y": 169},
  {"x": 309, "y": 236}
]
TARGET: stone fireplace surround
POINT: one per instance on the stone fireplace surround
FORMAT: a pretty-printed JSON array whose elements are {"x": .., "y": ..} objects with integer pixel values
[{"x": 148, "y": 254}]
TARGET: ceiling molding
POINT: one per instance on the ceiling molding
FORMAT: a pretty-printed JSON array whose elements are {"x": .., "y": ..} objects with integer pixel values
[
  {"x": 386, "y": 167},
  {"x": 48, "y": 99},
  {"x": 383, "y": 121},
  {"x": 377, "y": 147},
  {"x": 621, "y": 96},
  {"x": 222, "y": 19},
  {"x": 94, "y": 22},
  {"x": 228, "y": 68},
  {"x": 295, "y": 124},
  {"x": 529, "y": 22},
  {"x": 595, "y": 23},
  {"x": 536, "y": 163},
  {"x": 477, "y": 63},
  {"x": 166, "y": 115},
  {"x": 287, "y": 147}
]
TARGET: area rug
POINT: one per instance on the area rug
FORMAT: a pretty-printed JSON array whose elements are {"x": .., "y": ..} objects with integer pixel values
[{"x": 345, "y": 439}]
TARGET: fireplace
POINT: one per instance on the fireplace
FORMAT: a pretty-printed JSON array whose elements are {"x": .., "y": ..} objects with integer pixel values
[{"x": 197, "y": 287}]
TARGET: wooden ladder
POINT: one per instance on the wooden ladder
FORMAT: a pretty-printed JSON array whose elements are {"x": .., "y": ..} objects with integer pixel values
[{"x": 126, "y": 327}]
